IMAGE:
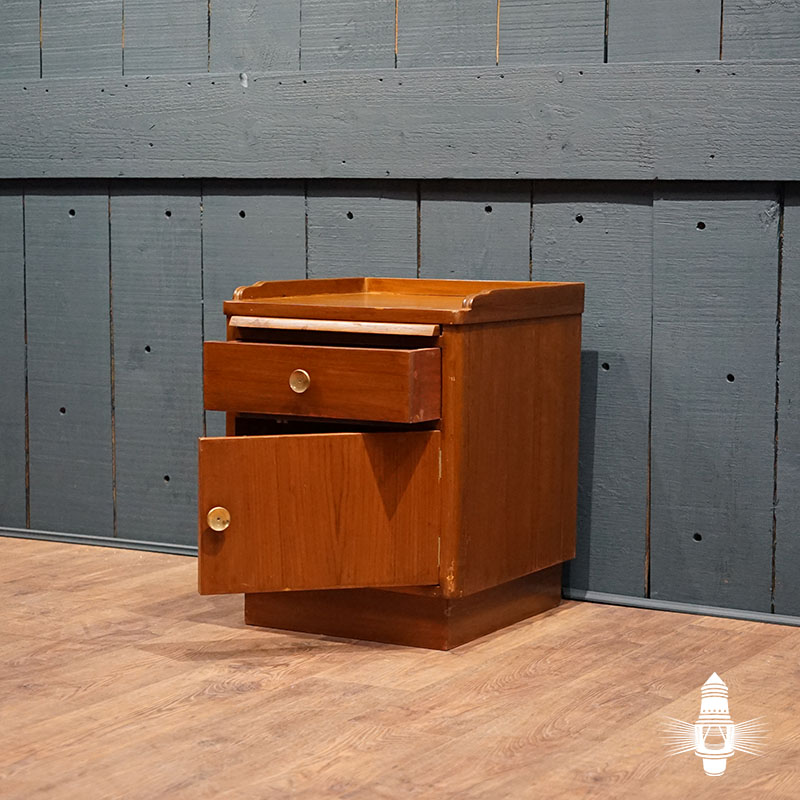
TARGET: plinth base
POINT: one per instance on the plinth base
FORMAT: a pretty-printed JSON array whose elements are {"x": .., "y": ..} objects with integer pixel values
[{"x": 401, "y": 617}]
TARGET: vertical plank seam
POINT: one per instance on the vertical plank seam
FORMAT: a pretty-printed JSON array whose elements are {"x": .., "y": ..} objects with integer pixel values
[
  {"x": 40, "y": 40},
  {"x": 300, "y": 38},
  {"x": 721, "y": 25},
  {"x": 396, "y": 23},
  {"x": 112, "y": 375},
  {"x": 497, "y": 36},
  {"x": 648, "y": 493},
  {"x": 208, "y": 37},
  {"x": 530, "y": 235},
  {"x": 607, "y": 12},
  {"x": 419, "y": 228},
  {"x": 25, "y": 365},
  {"x": 202, "y": 294},
  {"x": 782, "y": 206},
  {"x": 123, "y": 37},
  {"x": 305, "y": 213}
]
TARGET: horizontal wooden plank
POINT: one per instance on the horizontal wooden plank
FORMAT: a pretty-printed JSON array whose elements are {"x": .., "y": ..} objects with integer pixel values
[
  {"x": 335, "y": 325},
  {"x": 639, "y": 121}
]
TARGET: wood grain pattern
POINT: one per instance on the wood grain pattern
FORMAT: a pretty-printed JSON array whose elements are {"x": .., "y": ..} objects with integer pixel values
[
  {"x": 509, "y": 450},
  {"x": 141, "y": 687},
  {"x": 416, "y": 619},
  {"x": 298, "y": 505},
  {"x": 166, "y": 37},
  {"x": 649, "y": 30},
  {"x": 19, "y": 39},
  {"x": 155, "y": 257},
  {"x": 347, "y": 34},
  {"x": 755, "y": 29},
  {"x": 353, "y": 224},
  {"x": 346, "y": 382},
  {"x": 12, "y": 361},
  {"x": 446, "y": 33},
  {"x": 254, "y": 35},
  {"x": 604, "y": 237},
  {"x": 600, "y": 121},
  {"x": 423, "y": 300},
  {"x": 333, "y": 326},
  {"x": 551, "y": 31},
  {"x": 69, "y": 361},
  {"x": 81, "y": 37},
  {"x": 787, "y": 510},
  {"x": 475, "y": 230},
  {"x": 715, "y": 283}
]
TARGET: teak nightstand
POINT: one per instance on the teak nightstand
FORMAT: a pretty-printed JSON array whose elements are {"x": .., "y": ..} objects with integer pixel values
[{"x": 401, "y": 455}]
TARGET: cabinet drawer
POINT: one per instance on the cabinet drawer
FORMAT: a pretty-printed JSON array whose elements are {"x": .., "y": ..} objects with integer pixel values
[{"x": 386, "y": 385}]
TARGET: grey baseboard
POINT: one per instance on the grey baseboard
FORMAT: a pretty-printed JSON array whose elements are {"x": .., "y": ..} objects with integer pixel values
[
  {"x": 567, "y": 592},
  {"x": 681, "y": 608},
  {"x": 100, "y": 541}
]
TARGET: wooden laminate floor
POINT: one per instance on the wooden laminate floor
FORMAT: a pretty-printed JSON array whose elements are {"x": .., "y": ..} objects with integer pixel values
[{"x": 119, "y": 681}]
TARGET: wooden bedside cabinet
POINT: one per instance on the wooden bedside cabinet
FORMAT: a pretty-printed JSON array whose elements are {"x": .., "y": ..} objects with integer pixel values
[{"x": 401, "y": 455}]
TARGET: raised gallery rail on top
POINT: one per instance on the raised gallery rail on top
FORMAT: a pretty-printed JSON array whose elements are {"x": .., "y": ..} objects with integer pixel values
[{"x": 721, "y": 121}]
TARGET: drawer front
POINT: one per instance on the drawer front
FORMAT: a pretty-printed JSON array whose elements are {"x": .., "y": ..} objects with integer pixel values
[
  {"x": 336, "y": 382},
  {"x": 319, "y": 511}
]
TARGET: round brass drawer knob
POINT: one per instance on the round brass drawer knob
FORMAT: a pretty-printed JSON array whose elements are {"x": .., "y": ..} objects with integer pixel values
[
  {"x": 218, "y": 518},
  {"x": 299, "y": 381}
]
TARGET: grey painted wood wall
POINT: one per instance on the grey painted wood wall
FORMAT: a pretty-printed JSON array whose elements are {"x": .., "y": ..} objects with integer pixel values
[{"x": 690, "y": 434}]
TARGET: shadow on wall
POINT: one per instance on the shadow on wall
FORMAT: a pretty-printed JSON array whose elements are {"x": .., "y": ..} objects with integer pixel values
[{"x": 575, "y": 571}]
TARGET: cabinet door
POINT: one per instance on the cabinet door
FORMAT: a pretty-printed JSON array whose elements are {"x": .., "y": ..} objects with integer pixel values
[{"x": 319, "y": 511}]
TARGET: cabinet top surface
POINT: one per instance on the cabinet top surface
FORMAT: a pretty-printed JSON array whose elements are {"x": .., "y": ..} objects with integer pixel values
[{"x": 408, "y": 300}]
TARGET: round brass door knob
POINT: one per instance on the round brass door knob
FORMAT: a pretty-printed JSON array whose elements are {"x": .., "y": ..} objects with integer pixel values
[
  {"x": 218, "y": 518},
  {"x": 299, "y": 381}
]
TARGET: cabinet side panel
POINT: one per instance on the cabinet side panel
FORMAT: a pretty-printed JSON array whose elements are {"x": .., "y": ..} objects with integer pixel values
[{"x": 519, "y": 449}]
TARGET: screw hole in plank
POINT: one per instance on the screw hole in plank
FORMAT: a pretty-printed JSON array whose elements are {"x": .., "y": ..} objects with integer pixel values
[{"x": 697, "y": 537}]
